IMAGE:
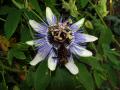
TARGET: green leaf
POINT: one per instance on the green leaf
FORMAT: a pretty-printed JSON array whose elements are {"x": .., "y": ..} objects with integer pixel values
[
  {"x": 85, "y": 77},
  {"x": 105, "y": 36},
  {"x": 111, "y": 74},
  {"x": 98, "y": 79},
  {"x": 36, "y": 6},
  {"x": 12, "y": 22},
  {"x": 115, "y": 24},
  {"x": 51, "y": 3},
  {"x": 62, "y": 80},
  {"x": 112, "y": 56},
  {"x": 83, "y": 3},
  {"x": 113, "y": 59},
  {"x": 25, "y": 37},
  {"x": 21, "y": 46},
  {"x": 19, "y": 54},
  {"x": 5, "y": 10},
  {"x": 30, "y": 78},
  {"x": 92, "y": 61},
  {"x": 42, "y": 76},
  {"x": 10, "y": 56}
]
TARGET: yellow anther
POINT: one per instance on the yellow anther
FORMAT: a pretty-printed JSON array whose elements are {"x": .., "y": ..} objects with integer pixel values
[{"x": 57, "y": 38}]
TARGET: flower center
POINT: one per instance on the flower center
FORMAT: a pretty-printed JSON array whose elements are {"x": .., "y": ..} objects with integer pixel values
[{"x": 60, "y": 34}]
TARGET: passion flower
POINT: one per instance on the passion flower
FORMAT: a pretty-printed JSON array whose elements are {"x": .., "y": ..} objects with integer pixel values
[{"x": 58, "y": 41}]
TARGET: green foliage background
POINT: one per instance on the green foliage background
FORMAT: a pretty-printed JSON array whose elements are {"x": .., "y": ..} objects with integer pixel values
[{"x": 99, "y": 72}]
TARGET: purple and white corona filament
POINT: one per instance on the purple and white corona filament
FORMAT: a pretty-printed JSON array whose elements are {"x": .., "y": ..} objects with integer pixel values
[{"x": 59, "y": 41}]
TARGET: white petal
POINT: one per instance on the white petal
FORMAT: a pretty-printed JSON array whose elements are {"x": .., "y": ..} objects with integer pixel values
[
  {"x": 51, "y": 61},
  {"x": 82, "y": 38},
  {"x": 37, "y": 42},
  {"x": 72, "y": 67},
  {"x": 34, "y": 25},
  {"x": 77, "y": 25},
  {"x": 89, "y": 38},
  {"x": 78, "y": 50},
  {"x": 80, "y": 22},
  {"x": 38, "y": 58},
  {"x": 30, "y": 42},
  {"x": 38, "y": 27},
  {"x": 51, "y": 18}
]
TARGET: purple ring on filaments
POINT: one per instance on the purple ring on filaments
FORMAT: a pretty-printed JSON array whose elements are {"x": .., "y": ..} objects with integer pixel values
[{"x": 58, "y": 41}]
